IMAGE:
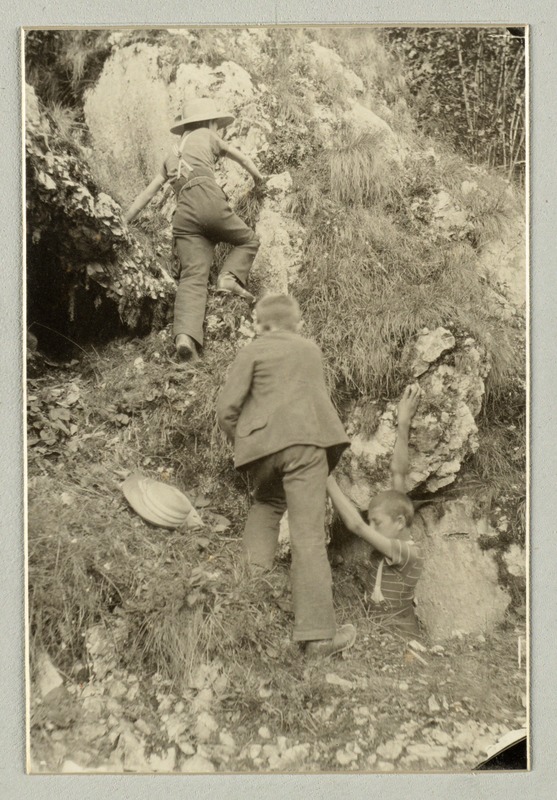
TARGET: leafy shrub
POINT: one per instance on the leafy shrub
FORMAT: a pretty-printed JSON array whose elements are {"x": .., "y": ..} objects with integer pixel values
[{"x": 468, "y": 86}]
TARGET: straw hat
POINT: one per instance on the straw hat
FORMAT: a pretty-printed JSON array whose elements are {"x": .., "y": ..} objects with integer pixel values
[
  {"x": 201, "y": 110},
  {"x": 159, "y": 503}
]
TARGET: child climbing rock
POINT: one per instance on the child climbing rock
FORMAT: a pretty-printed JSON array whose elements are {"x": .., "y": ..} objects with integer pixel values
[
  {"x": 202, "y": 218},
  {"x": 276, "y": 409},
  {"x": 396, "y": 562}
]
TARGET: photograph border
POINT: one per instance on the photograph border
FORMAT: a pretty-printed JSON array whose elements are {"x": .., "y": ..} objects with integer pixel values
[{"x": 12, "y": 604}]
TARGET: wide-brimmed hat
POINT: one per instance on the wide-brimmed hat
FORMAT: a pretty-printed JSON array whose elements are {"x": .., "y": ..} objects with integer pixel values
[
  {"x": 201, "y": 110},
  {"x": 160, "y": 503}
]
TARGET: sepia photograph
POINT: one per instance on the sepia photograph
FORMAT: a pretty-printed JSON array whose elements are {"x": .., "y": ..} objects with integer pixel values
[{"x": 276, "y": 316}]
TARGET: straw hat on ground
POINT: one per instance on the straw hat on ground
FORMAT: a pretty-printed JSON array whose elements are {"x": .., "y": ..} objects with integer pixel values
[
  {"x": 201, "y": 110},
  {"x": 159, "y": 503}
]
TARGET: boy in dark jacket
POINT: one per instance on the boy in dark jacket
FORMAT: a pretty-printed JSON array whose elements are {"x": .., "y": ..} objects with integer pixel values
[{"x": 276, "y": 410}]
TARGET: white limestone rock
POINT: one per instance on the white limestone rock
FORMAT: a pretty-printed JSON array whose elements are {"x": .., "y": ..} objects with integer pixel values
[
  {"x": 197, "y": 764},
  {"x": 459, "y": 587},
  {"x": 328, "y": 64},
  {"x": 429, "y": 346},
  {"x": 47, "y": 676},
  {"x": 443, "y": 431},
  {"x": 280, "y": 255},
  {"x": 515, "y": 560}
]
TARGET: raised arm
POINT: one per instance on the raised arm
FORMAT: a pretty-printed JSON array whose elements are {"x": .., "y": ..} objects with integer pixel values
[
  {"x": 354, "y": 522},
  {"x": 399, "y": 461},
  {"x": 143, "y": 198},
  {"x": 241, "y": 159}
]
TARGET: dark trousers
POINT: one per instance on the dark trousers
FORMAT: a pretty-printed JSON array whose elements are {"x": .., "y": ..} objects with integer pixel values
[
  {"x": 203, "y": 218},
  {"x": 294, "y": 479}
]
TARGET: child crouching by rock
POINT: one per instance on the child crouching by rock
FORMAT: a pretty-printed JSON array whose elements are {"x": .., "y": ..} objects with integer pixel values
[
  {"x": 396, "y": 561},
  {"x": 287, "y": 436},
  {"x": 203, "y": 218}
]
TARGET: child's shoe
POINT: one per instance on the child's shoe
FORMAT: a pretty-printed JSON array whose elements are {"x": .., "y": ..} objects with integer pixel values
[
  {"x": 342, "y": 640},
  {"x": 228, "y": 283},
  {"x": 185, "y": 348}
]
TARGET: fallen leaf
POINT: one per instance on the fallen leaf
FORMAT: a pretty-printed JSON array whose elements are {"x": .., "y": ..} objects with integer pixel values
[{"x": 220, "y": 528}]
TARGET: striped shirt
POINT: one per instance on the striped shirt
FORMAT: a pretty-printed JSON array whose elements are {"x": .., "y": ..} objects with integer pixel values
[{"x": 398, "y": 577}]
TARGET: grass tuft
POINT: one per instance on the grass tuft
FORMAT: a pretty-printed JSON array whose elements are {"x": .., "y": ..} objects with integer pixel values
[{"x": 359, "y": 172}]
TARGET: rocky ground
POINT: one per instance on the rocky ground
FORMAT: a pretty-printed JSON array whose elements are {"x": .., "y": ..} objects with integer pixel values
[{"x": 382, "y": 707}]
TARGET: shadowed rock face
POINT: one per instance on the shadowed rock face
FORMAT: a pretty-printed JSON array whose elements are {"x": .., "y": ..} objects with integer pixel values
[{"x": 87, "y": 272}]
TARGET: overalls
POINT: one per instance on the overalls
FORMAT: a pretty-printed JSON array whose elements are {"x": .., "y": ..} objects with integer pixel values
[{"x": 203, "y": 218}]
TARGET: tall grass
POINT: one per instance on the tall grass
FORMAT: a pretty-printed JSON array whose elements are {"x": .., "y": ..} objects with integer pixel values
[
  {"x": 373, "y": 278},
  {"x": 359, "y": 172}
]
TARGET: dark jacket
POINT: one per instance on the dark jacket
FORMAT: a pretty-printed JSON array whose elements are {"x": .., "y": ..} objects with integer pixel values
[{"x": 275, "y": 396}]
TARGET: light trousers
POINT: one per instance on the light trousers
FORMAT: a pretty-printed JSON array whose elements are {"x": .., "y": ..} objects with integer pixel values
[{"x": 294, "y": 479}]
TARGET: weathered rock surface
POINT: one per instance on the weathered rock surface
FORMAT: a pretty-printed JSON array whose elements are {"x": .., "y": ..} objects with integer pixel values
[
  {"x": 280, "y": 256},
  {"x": 429, "y": 347},
  {"x": 328, "y": 64},
  {"x": 459, "y": 588},
  {"x": 47, "y": 676},
  {"x": 504, "y": 258},
  {"x": 135, "y": 86},
  {"x": 142, "y": 82},
  {"x": 443, "y": 431}
]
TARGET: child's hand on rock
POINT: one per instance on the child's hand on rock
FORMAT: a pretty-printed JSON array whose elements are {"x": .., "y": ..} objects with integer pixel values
[{"x": 409, "y": 402}]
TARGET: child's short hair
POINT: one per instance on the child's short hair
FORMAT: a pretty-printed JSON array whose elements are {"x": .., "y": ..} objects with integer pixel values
[
  {"x": 278, "y": 310},
  {"x": 394, "y": 504}
]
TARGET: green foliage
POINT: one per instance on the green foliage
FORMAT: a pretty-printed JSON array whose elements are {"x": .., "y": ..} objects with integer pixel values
[
  {"x": 468, "y": 87},
  {"x": 76, "y": 236},
  {"x": 61, "y": 64}
]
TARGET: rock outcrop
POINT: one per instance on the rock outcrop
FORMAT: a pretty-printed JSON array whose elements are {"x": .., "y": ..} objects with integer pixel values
[
  {"x": 459, "y": 592},
  {"x": 142, "y": 87},
  {"x": 279, "y": 257},
  {"x": 129, "y": 110},
  {"x": 75, "y": 236},
  {"x": 443, "y": 431}
]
